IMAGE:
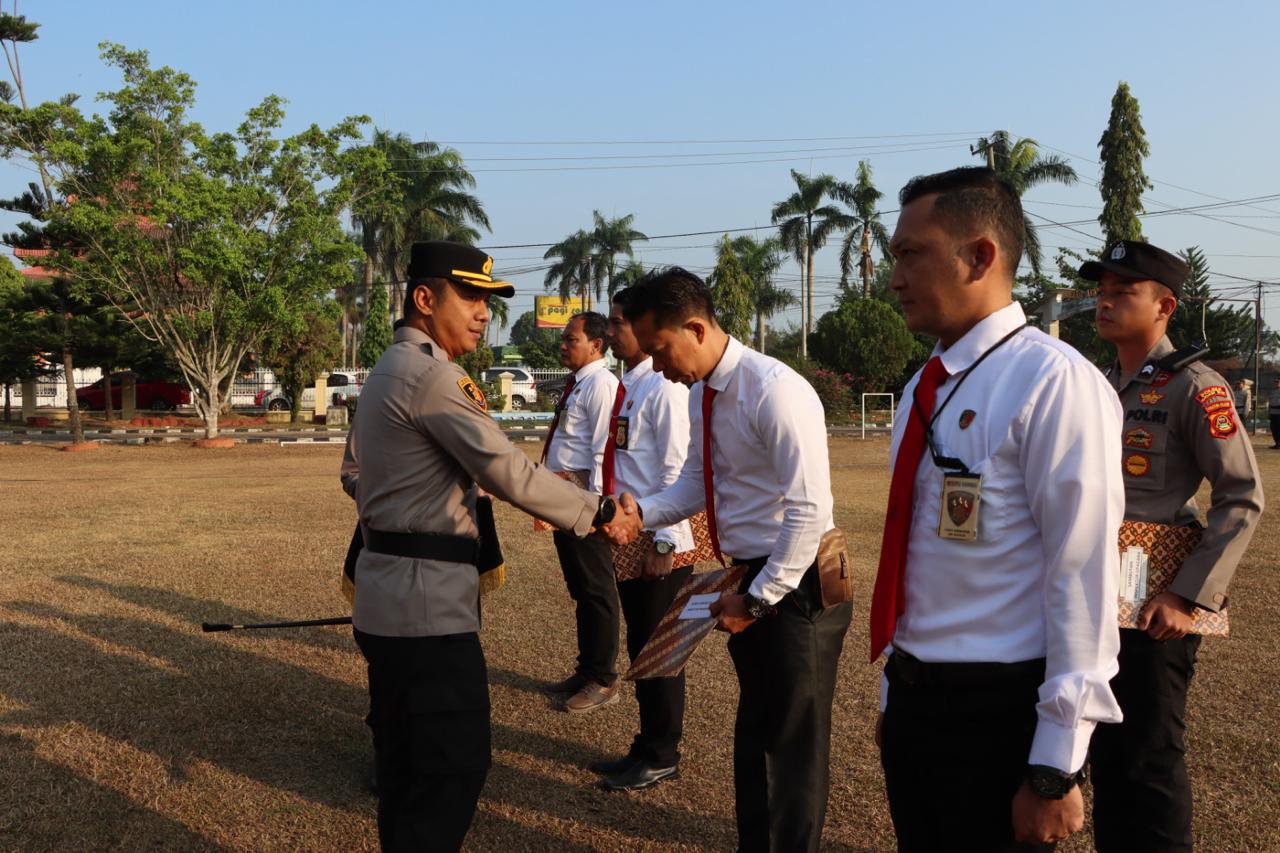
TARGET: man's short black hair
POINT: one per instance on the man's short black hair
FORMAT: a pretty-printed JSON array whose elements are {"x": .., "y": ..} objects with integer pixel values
[
  {"x": 974, "y": 197},
  {"x": 622, "y": 298},
  {"x": 672, "y": 295},
  {"x": 594, "y": 325},
  {"x": 436, "y": 285}
]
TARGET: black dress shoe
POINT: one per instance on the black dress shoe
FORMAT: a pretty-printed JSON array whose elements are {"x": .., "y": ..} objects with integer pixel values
[
  {"x": 568, "y": 687},
  {"x": 640, "y": 775},
  {"x": 613, "y": 766}
]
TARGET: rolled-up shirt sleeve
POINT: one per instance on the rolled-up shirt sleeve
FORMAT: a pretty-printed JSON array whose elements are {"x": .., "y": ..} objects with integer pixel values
[
  {"x": 1071, "y": 467},
  {"x": 791, "y": 423}
]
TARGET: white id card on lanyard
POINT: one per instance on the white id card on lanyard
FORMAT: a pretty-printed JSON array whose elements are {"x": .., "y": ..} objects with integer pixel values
[{"x": 958, "y": 515}]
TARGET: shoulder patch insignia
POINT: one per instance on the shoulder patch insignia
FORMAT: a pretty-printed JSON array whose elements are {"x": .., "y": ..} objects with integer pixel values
[
  {"x": 966, "y": 418},
  {"x": 1222, "y": 424},
  {"x": 1162, "y": 379},
  {"x": 1150, "y": 398},
  {"x": 1137, "y": 464},
  {"x": 1212, "y": 391},
  {"x": 1138, "y": 438},
  {"x": 473, "y": 392}
]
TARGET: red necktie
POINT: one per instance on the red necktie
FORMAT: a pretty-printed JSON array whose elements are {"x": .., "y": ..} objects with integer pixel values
[
  {"x": 555, "y": 421},
  {"x": 611, "y": 446},
  {"x": 889, "y": 599},
  {"x": 709, "y": 394}
]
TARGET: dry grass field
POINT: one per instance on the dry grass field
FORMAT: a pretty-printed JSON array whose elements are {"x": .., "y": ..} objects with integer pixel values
[{"x": 123, "y": 727}]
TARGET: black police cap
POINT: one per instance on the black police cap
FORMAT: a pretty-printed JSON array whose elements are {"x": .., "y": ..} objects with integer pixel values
[
  {"x": 1139, "y": 262},
  {"x": 456, "y": 262}
]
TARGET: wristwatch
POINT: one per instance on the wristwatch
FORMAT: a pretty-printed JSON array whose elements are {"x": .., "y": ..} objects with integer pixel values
[
  {"x": 1050, "y": 783},
  {"x": 607, "y": 510},
  {"x": 664, "y": 548},
  {"x": 757, "y": 608}
]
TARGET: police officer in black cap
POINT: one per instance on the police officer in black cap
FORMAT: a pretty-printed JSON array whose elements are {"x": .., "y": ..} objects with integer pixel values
[
  {"x": 1180, "y": 429},
  {"x": 421, "y": 447}
]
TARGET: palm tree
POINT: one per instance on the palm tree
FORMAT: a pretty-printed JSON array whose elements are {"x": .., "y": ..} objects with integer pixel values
[
  {"x": 575, "y": 271},
  {"x": 804, "y": 224},
  {"x": 762, "y": 259},
  {"x": 1024, "y": 167},
  {"x": 862, "y": 197},
  {"x": 631, "y": 272},
  {"x": 611, "y": 238},
  {"x": 499, "y": 313}
]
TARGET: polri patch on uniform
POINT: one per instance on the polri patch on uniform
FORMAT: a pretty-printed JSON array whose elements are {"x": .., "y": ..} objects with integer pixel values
[
  {"x": 1138, "y": 438},
  {"x": 1222, "y": 424},
  {"x": 1150, "y": 398},
  {"x": 966, "y": 418},
  {"x": 1137, "y": 465},
  {"x": 473, "y": 392}
]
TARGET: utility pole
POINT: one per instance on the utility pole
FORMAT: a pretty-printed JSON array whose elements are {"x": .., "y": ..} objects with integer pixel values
[{"x": 1257, "y": 359}]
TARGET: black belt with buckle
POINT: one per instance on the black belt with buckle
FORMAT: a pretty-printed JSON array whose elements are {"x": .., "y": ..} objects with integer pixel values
[
  {"x": 424, "y": 546},
  {"x": 912, "y": 672}
]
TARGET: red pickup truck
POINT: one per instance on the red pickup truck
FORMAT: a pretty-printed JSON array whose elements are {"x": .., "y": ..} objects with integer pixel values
[{"x": 151, "y": 394}]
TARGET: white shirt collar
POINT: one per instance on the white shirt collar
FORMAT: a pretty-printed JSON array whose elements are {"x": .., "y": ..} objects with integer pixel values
[
  {"x": 723, "y": 372},
  {"x": 637, "y": 373},
  {"x": 589, "y": 368},
  {"x": 961, "y": 355}
]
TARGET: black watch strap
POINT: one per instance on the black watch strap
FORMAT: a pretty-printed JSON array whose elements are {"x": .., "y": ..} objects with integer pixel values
[
  {"x": 605, "y": 512},
  {"x": 1050, "y": 783},
  {"x": 758, "y": 608}
]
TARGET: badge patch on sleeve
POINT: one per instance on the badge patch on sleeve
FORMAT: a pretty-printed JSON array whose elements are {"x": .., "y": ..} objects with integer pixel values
[
  {"x": 1222, "y": 424},
  {"x": 473, "y": 392}
]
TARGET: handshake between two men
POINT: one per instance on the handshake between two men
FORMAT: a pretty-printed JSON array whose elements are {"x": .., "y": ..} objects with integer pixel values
[{"x": 622, "y": 524}]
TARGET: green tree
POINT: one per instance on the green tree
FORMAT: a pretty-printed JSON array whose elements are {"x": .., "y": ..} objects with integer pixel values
[
  {"x": 1024, "y": 167},
  {"x": 377, "y": 329},
  {"x": 1228, "y": 328},
  {"x": 865, "y": 230},
  {"x": 19, "y": 353},
  {"x": 574, "y": 270},
  {"x": 805, "y": 223},
  {"x": 731, "y": 289},
  {"x": 866, "y": 339},
  {"x": 1121, "y": 149},
  {"x": 632, "y": 271},
  {"x": 540, "y": 348},
  {"x": 611, "y": 238},
  {"x": 213, "y": 239},
  {"x": 299, "y": 352},
  {"x": 761, "y": 259}
]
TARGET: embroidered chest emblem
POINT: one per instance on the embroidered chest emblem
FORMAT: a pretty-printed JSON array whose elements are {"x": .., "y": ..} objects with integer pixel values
[
  {"x": 473, "y": 392},
  {"x": 1137, "y": 465},
  {"x": 1150, "y": 398},
  {"x": 1138, "y": 438},
  {"x": 966, "y": 418}
]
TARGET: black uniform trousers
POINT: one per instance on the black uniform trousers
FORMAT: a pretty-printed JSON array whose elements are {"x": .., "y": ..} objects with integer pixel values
[
  {"x": 661, "y": 700},
  {"x": 429, "y": 704},
  {"x": 587, "y": 565},
  {"x": 786, "y": 666},
  {"x": 1275, "y": 429},
  {"x": 954, "y": 748},
  {"x": 1141, "y": 793}
]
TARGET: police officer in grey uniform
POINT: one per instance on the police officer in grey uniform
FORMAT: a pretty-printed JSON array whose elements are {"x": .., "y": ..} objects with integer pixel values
[
  {"x": 421, "y": 444},
  {"x": 1180, "y": 429}
]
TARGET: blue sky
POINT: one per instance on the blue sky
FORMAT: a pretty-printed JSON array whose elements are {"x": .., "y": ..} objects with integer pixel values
[{"x": 917, "y": 81}]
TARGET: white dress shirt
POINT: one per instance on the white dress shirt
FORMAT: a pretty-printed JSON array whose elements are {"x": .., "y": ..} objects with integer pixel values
[
  {"x": 1042, "y": 427},
  {"x": 657, "y": 413},
  {"x": 772, "y": 481},
  {"x": 578, "y": 443}
]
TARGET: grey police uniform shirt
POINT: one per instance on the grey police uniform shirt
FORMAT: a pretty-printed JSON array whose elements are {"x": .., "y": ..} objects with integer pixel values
[
  {"x": 1181, "y": 428},
  {"x": 420, "y": 443}
]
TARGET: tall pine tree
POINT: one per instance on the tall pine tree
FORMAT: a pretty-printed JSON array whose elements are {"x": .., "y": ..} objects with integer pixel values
[
  {"x": 1121, "y": 149},
  {"x": 377, "y": 328},
  {"x": 731, "y": 288},
  {"x": 1226, "y": 327}
]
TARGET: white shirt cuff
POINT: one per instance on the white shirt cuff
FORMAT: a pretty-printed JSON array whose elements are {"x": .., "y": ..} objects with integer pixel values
[{"x": 1060, "y": 747}]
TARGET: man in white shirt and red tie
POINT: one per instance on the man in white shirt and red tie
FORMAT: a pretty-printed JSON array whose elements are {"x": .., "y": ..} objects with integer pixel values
[
  {"x": 758, "y": 447},
  {"x": 575, "y": 445},
  {"x": 999, "y": 572},
  {"x": 648, "y": 441}
]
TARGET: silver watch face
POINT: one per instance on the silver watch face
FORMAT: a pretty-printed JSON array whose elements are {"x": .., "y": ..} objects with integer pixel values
[{"x": 663, "y": 548}]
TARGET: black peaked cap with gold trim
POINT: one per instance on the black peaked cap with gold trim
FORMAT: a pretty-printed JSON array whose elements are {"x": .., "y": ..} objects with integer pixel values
[{"x": 456, "y": 262}]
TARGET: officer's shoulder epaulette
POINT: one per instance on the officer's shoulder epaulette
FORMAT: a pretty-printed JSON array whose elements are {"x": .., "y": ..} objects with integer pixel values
[{"x": 1180, "y": 358}]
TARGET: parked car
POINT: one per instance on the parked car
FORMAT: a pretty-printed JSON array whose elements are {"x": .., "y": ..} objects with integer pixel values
[
  {"x": 522, "y": 385},
  {"x": 153, "y": 394},
  {"x": 553, "y": 388},
  {"x": 340, "y": 386}
]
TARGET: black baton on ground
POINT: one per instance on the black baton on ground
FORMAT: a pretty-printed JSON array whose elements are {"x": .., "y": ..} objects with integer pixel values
[{"x": 304, "y": 623}]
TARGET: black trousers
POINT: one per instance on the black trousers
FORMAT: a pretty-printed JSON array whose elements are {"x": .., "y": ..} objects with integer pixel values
[
  {"x": 1275, "y": 429},
  {"x": 587, "y": 565},
  {"x": 786, "y": 665},
  {"x": 661, "y": 700},
  {"x": 1141, "y": 793},
  {"x": 429, "y": 707},
  {"x": 954, "y": 750}
]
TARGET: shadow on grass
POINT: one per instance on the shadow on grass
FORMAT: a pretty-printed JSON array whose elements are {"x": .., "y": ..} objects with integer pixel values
[{"x": 198, "y": 610}]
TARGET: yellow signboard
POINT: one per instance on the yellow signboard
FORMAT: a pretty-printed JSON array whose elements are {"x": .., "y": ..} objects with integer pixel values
[{"x": 553, "y": 312}]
